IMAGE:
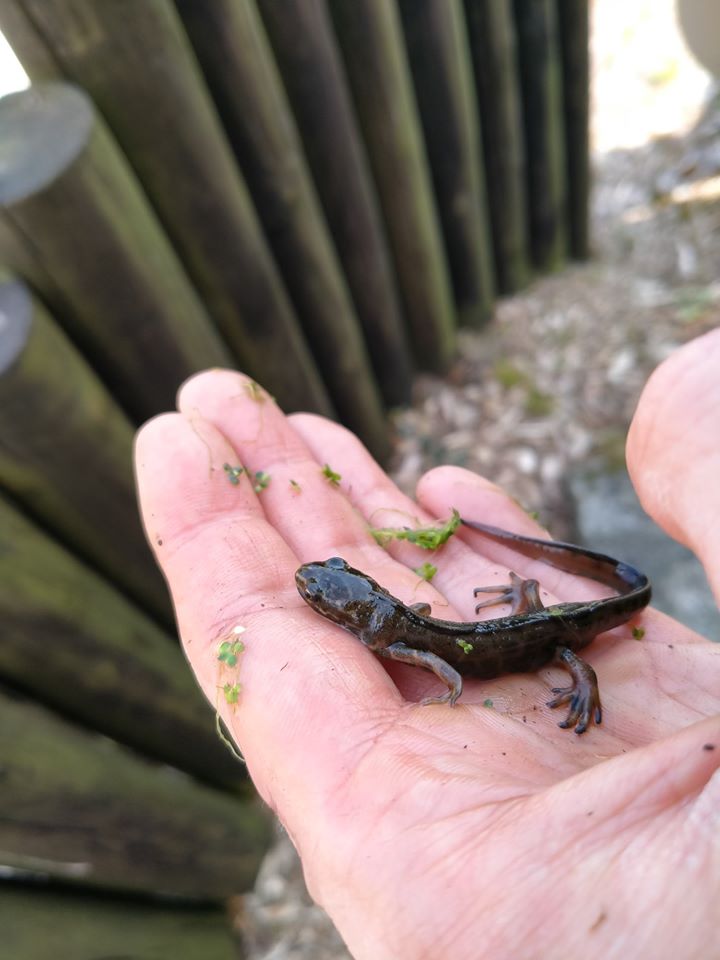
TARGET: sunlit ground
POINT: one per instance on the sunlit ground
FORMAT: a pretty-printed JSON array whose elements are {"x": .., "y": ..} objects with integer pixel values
[
  {"x": 645, "y": 81},
  {"x": 12, "y": 75}
]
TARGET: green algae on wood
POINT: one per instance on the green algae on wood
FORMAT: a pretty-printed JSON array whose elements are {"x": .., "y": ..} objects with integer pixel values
[
  {"x": 111, "y": 820},
  {"x": 133, "y": 58},
  {"x": 66, "y": 448},
  {"x": 73, "y": 641}
]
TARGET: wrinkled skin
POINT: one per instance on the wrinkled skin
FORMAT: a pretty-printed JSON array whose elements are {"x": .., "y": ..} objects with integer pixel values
[{"x": 472, "y": 832}]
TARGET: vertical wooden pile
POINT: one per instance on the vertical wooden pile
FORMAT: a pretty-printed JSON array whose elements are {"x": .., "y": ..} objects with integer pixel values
[
  {"x": 542, "y": 109},
  {"x": 304, "y": 46},
  {"x": 574, "y": 30},
  {"x": 439, "y": 57},
  {"x": 375, "y": 60},
  {"x": 494, "y": 52}
]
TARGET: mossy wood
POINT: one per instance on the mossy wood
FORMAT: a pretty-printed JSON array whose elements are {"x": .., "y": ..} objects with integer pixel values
[
  {"x": 73, "y": 641},
  {"x": 67, "y": 194},
  {"x": 79, "y": 808},
  {"x": 304, "y": 46},
  {"x": 439, "y": 56},
  {"x": 66, "y": 449},
  {"x": 574, "y": 30},
  {"x": 370, "y": 38},
  {"x": 134, "y": 60},
  {"x": 39, "y": 923},
  {"x": 542, "y": 100},
  {"x": 233, "y": 49},
  {"x": 491, "y": 33}
]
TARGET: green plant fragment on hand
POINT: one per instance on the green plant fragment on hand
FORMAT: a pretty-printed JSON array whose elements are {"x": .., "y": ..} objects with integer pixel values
[
  {"x": 295, "y": 486},
  {"x": 233, "y": 473},
  {"x": 262, "y": 480},
  {"x": 465, "y": 646},
  {"x": 488, "y": 703},
  {"x": 329, "y": 474},
  {"x": 232, "y": 692},
  {"x": 429, "y": 538},
  {"x": 427, "y": 571},
  {"x": 229, "y": 650},
  {"x": 638, "y": 633}
]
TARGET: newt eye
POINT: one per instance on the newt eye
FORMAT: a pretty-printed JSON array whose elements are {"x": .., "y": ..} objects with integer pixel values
[{"x": 336, "y": 563}]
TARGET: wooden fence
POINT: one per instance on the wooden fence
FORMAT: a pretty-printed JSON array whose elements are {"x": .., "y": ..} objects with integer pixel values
[{"x": 316, "y": 191}]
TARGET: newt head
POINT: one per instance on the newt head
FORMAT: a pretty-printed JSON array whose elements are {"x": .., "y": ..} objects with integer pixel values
[{"x": 339, "y": 592}]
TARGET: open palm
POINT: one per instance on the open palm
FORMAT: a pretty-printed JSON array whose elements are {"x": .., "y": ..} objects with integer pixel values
[{"x": 430, "y": 832}]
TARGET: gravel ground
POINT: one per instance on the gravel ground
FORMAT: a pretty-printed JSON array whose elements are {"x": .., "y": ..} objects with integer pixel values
[{"x": 553, "y": 382}]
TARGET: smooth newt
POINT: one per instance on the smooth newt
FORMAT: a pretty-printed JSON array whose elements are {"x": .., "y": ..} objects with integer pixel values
[{"x": 530, "y": 637}]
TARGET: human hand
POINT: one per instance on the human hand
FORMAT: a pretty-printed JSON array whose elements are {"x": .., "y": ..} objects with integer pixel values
[{"x": 462, "y": 832}]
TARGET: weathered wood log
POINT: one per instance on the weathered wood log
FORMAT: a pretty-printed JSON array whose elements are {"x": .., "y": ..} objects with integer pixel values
[
  {"x": 370, "y": 39},
  {"x": 233, "y": 50},
  {"x": 74, "y": 642},
  {"x": 304, "y": 46},
  {"x": 66, "y": 449},
  {"x": 542, "y": 109},
  {"x": 439, "y": 55},
  {"x": 67, "y": 194},
  {"x": 574, "y": 27},
  {"x": 77, "y": 807},
  {"x": 493, "y": 45},
  {"x": 39, "y": 923},
  {"x": 134, "y": 60}
]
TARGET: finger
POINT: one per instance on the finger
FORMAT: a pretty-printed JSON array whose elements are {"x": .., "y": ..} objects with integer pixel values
[
  {"x": 304, "y": 501},
  {"x": 639, "y": 785},
  {"x": 311, "y": 697},
  {"x": 672, "y": 449}
]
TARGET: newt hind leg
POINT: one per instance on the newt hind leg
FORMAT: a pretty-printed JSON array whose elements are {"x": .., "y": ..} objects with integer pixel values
[
  {"x": 522, "y": 595},
  {"x": 583, "y": 695}
]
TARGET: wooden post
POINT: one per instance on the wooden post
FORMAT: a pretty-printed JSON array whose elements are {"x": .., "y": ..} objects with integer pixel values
[
  {"x": 305, "y": 49},
  {"x": 439, "y": 55},
  {"x": 73, "y": 641},
  {"x": 233, "y": 50},
  {"x": 541, "y": 83},
  {"x": 134, "y": 60},
  {"x": 66, "y": 449},
  {"x": 36, "y": 921},
  {"x": 493, "y": 45},
  {"x": 573, "y": 20},
  {"x": 80, "y": 809},
  {"x": 371, "y": 42},
  {"x": 67, "y": 195}
]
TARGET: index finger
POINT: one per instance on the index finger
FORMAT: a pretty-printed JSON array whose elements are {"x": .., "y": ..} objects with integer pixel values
[{"x": 310, "y": 699}]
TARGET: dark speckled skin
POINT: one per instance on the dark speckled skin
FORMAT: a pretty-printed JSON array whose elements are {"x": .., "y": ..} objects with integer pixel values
[{"x": 517, "y": 643}]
